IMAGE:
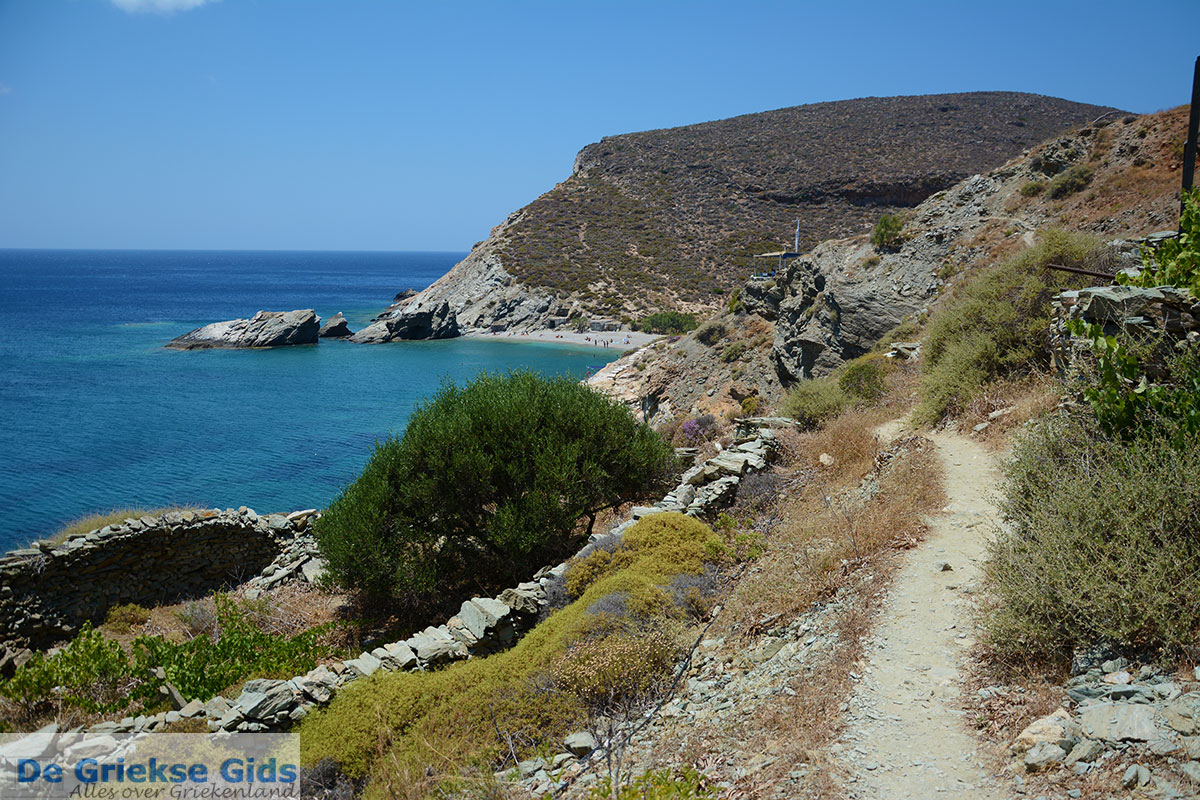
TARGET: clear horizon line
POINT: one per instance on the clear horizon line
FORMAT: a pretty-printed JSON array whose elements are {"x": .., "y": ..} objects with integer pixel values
[{"x": 215, "y": 250}]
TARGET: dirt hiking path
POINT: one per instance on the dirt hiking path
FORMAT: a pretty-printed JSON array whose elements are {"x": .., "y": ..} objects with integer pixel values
[{"x": 905, "y": 737}]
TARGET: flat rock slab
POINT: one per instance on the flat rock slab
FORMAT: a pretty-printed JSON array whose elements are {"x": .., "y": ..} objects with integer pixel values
[{"x": 1118, "y": 722}]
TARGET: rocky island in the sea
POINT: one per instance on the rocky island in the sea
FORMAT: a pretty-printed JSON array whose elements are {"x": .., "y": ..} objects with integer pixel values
[{"x": 264, "y": 329}]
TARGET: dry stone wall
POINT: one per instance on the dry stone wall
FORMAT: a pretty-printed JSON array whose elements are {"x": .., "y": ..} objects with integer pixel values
[
  {"x": 48, "y": 589},
  {"x": 482, "y": 626},
  {"x": 1165, "y": 311}
]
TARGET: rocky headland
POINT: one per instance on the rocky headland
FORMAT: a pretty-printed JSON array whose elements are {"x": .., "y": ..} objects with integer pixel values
[{"x": 668, "y": 219}]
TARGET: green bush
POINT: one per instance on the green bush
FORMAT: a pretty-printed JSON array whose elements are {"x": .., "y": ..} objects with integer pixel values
[
  {"x": 668, "y": 322},
  {"x": 711, "y": 333},
  {"x": 1071, "y": 181},
  {"x": 1123, "y": 397},
  {"x": 1175, "y": 262},
  {"x": 863, "y": 379},
  {"x": 887, "y": 233},
  {"x": 733, "y": 352},
  {"x": 996, "y": 324},
  {"x": 813, "y": 402},
  {"x": 488, "y": 482},
  {"x": 96, "y": 674},
  {"x": 1101, "y": 547},
  {"x": 1033, "y": 188}
]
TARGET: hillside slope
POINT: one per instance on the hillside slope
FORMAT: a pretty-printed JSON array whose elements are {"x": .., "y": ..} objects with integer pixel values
[
  {"x": 839, "y": 300},
  {"x": 669, "y": 218}
]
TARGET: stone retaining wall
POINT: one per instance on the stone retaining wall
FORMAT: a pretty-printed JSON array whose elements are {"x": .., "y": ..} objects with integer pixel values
[
  {"x": 1163, "y": 311},
  {"x": 48, "y": 590},
  {"x": 483, "y": 625}
]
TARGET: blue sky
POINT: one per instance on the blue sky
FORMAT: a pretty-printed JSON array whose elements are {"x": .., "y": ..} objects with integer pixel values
[{"x": 371, "y": 125}]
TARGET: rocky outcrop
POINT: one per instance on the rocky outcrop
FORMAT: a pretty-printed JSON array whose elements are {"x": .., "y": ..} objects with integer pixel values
[
  {"x": 477, "y": 296},
  {"x": 50, "y": 589},
  {"x": 335, "y": 328},
  {"x": 264, "y": 329},
  {"x": 417, "y": 318}
]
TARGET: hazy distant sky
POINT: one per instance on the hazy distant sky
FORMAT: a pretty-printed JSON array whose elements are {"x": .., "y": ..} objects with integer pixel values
[{"x": 371, "y": 125}]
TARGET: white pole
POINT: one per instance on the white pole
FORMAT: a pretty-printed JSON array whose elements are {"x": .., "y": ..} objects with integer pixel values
[{"x": 796, "y": 246}]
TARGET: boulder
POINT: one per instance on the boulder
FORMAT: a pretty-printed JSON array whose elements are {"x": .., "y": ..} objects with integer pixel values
[
  {"x": 264, "y": 329},
  {"x": 1183, "y": 713},
  {"x": 335, "y": 328},
  {"x": 1086, "y": 751},
  {"x": 396, "y": 655},
  {"x": 413, "y": 320},
  {"x": 264, "y": 698},
  {"x": 1043, "y": 755},
  {"x": 363, "y": 666},
  {"x": 319, "y": 684},
  {"x": 580, "y": 744},
  {"x": 1057, "y": 728},
  {"x": 1118, "y": 722},
  {"x": 436, "y": 645}
]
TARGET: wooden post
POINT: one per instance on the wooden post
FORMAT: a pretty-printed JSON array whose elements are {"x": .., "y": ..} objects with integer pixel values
[{"x": 1189, "y": 147}]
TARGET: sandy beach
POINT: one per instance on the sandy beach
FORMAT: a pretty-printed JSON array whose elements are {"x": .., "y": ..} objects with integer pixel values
[{"x": 616, "y": 340}]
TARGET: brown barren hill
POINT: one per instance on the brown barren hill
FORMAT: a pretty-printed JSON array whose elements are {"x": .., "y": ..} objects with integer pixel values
[
  {"x": 669, "y": 219},
  {"x": 671, "y": 214}
]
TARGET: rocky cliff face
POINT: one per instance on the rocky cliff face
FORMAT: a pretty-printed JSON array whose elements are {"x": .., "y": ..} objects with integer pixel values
[
  {"x": 837, "y": 301},
  {"x": 668, "y": 219}
]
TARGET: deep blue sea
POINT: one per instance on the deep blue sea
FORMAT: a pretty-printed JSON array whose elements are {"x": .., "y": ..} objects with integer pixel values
[{"x": 95, "y": 414}]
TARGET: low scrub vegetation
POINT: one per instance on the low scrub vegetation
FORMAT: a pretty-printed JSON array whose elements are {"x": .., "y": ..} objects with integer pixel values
[
  {"x": 996, "y": 324},
  {"x": 1102, "y": 544},
  {"x": 94, "y": 674},
  {"x": 1103, "y": 504},
  {"x": 1033, "y": 188},
  {"x": 1069, "y": 182},
  {"x": 489, "y": 482},
  {"x": 421, "y": 734},
  {"x": 712, "y": 332},
  {"x": 668, "y": 322},
  {"x": 858, "y": 383}
]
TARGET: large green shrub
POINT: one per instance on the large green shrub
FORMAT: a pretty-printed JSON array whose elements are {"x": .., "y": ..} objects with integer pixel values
[
  {"x": 1101, "y": 546},
  {"x": 488, "y": 482},
  {"x": 996, "y": 324}
]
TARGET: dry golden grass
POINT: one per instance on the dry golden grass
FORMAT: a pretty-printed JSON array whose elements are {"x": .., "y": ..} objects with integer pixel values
[
  {"x": 99, "y": 519},
  {"x": 1029, "y": 397}
]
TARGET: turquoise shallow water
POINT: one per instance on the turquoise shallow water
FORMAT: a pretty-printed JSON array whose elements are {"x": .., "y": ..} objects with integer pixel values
[{"x": 96, "y": 414}]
